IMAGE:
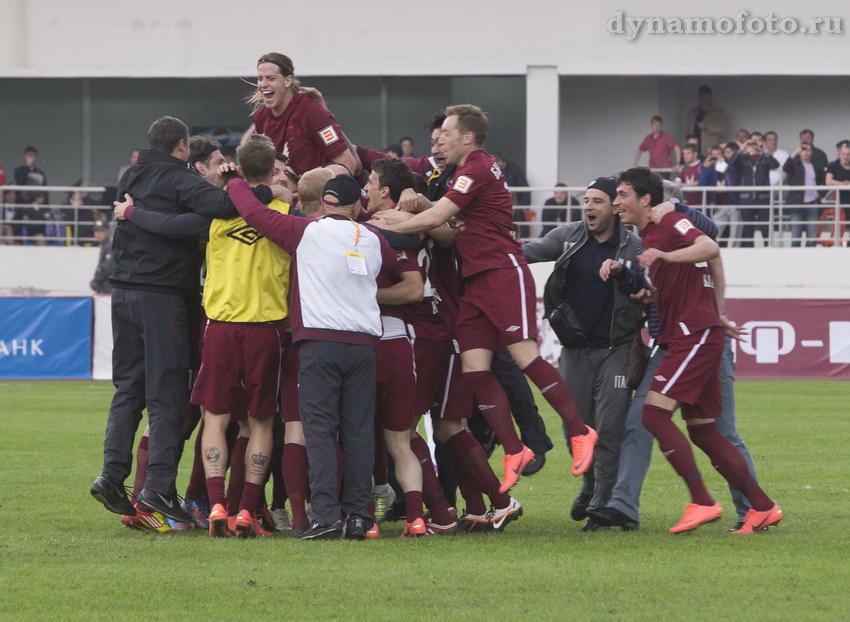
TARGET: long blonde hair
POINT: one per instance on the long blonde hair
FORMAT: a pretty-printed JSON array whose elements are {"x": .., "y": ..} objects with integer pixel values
[{"x": 284, "y": 63}]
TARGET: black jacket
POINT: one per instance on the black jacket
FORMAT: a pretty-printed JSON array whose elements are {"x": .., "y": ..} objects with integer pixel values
[
  {"x": 142, "y": 260},
  {"x": 797, "y": 177},
  {"x": 559, "y": 245}
]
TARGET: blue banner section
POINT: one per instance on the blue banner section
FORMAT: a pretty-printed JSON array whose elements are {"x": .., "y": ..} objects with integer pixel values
[{"x": 45, "y": 338}]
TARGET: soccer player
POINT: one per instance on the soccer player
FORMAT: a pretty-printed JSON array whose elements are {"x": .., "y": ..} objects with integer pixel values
[
  {"x": 245, "y": 298},
  {"x": 397, "y": 381},
  {"x": 498, "y": 304},
  {"x": 336, "y": 323},
  {"x": 305, "y": 132},
  {"x": 677, "y": 255}
]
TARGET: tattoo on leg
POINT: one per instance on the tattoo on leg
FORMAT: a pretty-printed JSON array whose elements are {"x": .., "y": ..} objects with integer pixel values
[
  {"x": 212, "y": 454},
  {"x": 258, "y": 463}
]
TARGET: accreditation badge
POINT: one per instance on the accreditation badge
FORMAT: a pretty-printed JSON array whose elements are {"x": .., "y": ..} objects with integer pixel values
[{"x": 356, "y": 263}]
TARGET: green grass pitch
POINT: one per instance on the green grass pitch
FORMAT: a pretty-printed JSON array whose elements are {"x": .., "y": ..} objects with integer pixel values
[{"x": 62, "y": 556}]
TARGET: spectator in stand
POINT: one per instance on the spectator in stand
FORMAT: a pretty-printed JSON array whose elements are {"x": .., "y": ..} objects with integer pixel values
[
  {"x": 760, "y": 164},
  {"x": 742, "y": 137},
  {"x": 10, "y": 212},
  {"x": 134, "y": 157},
  {"x": 716, "y": 172},
  {"x": 771, "y": 147},
  {"x": 30, "y": 175},
  {"x": 690, "y": 174},
  {"x": 514, "y": 177},
  {"x": 690, "y": 139},
  {"x": 556, "y": 209},
  {"x": 707, "y": 122},
  {"x": 82, "y": 214},
  {"x": 819, "y": 159},
  {"x": 100, "y": 283},
  {"x": 393, "y": 151},
  {"x": 800, "y": 170},
  {"x": 838, "y": 172},
  {"x": 660, "y": 145},
  {"x": 406, "y": 145}
]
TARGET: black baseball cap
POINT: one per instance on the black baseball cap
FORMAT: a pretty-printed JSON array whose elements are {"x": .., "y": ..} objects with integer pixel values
[
  {"x": 100, "y": 225},
  {"x": 608, "y": 185},
  {"x": 341, "y": 191}
]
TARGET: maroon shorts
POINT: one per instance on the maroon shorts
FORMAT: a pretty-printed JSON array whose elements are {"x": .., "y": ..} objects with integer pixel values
[
  {"x": 454, "y": 395},
  {"x": 429, "y": 355},
  {"x": 690, "y": 373},
  {"x": 396, "y": 385},
  {"x": 289, "y": 381},
  {"x": 237, "y": 357},
  {"x": 498, "y": 308}
]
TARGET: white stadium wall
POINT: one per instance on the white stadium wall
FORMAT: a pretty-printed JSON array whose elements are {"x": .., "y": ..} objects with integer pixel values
[{"x": 477, "y": 37}]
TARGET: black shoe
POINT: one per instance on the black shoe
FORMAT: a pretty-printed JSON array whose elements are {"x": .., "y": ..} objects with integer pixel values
[
  {"x": 396, "y": 512},
  {"x": 537, "y": 463},
  {"x": 737, "y": 526},
  {"x": 321, "y": 532},
  {"x": 113, "y": 496},
  {"x": 592, "y": 525},
  {"x": 612, "y": 517},
  {"x": 297, "y": 531},
  {"x": 167, "y": 505},
  {"x": 579, "y": 509},
  {"x": 356, "y": 527}
]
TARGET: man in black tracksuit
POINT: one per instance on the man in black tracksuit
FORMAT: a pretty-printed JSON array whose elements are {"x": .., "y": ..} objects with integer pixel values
[
  {"x": 152, "y": 280},
  {"x": 596, "y": 321}
]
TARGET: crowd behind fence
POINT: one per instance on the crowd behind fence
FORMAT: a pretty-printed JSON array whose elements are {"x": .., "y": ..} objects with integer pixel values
[{"x": 757, "y": 216}]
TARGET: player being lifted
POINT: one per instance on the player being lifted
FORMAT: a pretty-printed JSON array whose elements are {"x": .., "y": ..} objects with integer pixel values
[{"x": 498, "y": 304}]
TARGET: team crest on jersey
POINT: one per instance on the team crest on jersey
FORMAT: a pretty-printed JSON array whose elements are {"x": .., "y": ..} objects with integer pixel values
[
  {"x": 328, "y": 135},
  {"x": 462, "y": 184},
  {"x": 247, "y": 235},
  {"x": 683, "y": 226},
  {"x": 400, "y": 255}
]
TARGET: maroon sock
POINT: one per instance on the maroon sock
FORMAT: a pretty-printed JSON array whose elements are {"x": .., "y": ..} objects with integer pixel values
[
  {"x": 553, "y": 388},
  {"x": 141, "y": 467},
  {"x": 195, "y": 490},
  {"x": 379, "y": 472},
  {"x": 215, "y": 490},
  {"x": 468, "y": 452},
  {"x": 251, "y": 494},
  {"x": 294, "y": 467},
  {"x": 432, "y": 492},
  {"x": 493, "y": 404},
  {"x": 237, "y": 475},
  {"x": 729, "y": 463},
  {"x": 469, "y": 490},
  {"x": 676, "y": 448},
  {"x": 413, "y": 505},
  {"x": 278, "y": 483}
]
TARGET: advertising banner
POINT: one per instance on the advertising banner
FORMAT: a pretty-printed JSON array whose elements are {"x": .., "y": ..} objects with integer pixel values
[
  {"x": 45, "y": 338},
  {"x": 789, "y": 339}
]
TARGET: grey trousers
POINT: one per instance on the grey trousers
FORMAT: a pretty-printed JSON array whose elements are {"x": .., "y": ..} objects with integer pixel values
[
  {"x": 636, "y": 451},
  {"x": 596, "y": 377},
  {"x": 336, "y": 394},
  {"x": 150, "y": 368}
]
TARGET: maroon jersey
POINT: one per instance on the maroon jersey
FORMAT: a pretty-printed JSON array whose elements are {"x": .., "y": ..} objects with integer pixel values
[
  {"x": 686, "y": 301},
  {"x": 485, "y": 238},
  {"x": 305, "y": 132},
  {"x": 425, "y": 316},
  {"x": 690, "y": 175},
  {"x": 405, "y": 262},
  {"x": 447, "y": 275}
]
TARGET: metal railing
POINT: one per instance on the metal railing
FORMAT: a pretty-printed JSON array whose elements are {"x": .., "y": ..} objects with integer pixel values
[
  {"x": 754, "y": 215},
  {"x": 746, "y": 212},
  {"x": 49, "y": 224}
]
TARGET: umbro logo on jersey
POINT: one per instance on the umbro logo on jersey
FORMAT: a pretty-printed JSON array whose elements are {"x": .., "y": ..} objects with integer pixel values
[
  {"x": 512, "y": 329},
  {"x": 247, "y": 235},
  {"x": 661, "y": 379},
  {"x": 668, "y": 452},
  {"x": 486, "y": 406}
]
